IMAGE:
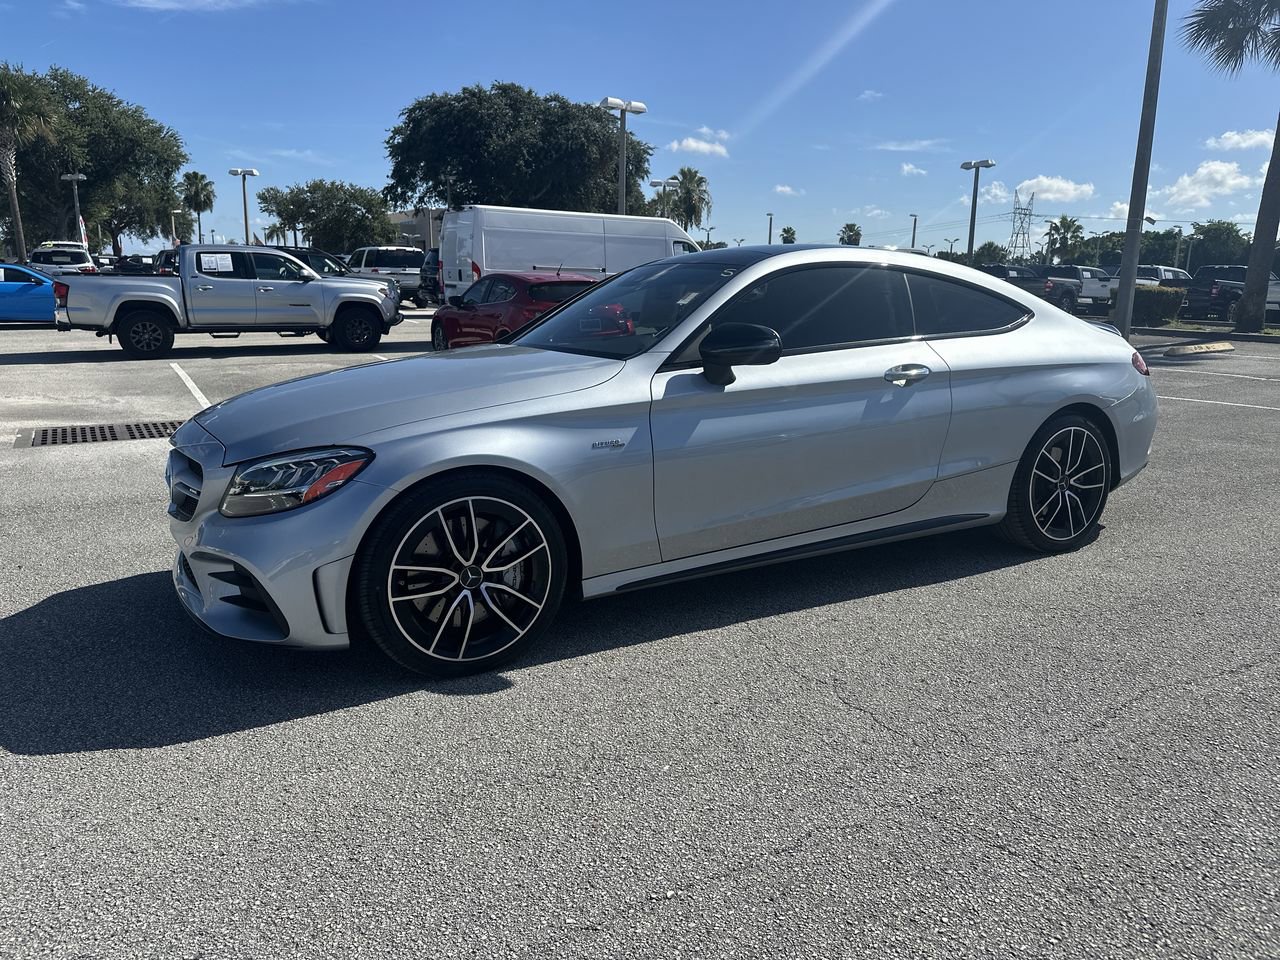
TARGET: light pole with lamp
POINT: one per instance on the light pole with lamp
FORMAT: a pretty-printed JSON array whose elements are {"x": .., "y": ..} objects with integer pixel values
[
  {"x": 739, "y": 240},
  {"x": 1152, "y": 222},
  {"x": 76, "y": 179},
  {"x": 708, "y": 229},
  {"x": 770, "y": 240},
  {"x": 412, "y": 237},
  {"x": 173, "y": 229},
  {"x": 662, "y": 185},
  {"x": 1191, "y": 242},
  {"x": 1097, "y": 250},
  {"x": 928, "y": 249},
  {"x": 244, "y": 173},
  {"x": 623, "y": 107},
  {"x": 976, "y": 166},
  {"x": 951, "y": 243},
  {"x": 1048, "y": 243},
  {"x": 914, "y": 220}
]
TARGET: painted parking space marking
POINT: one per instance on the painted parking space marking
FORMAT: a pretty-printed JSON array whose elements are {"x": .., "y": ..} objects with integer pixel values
[
  {"x": 1212, "y": 373},
  {"x": 191, "y": 385},
  {"x": 1221, "y": 403}
]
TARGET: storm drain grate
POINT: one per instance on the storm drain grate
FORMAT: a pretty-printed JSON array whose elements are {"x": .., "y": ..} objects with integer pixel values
[{"x": 96, "y": 433}]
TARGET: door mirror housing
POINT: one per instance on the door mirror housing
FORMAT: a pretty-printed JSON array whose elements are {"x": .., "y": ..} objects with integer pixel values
[
  {"x": 455, "y": 301},
  {"x": 737, "y": 344}
]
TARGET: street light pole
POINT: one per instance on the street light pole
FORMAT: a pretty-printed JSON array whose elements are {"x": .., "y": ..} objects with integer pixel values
[
  {"x": 1123, "y": 312},
  {"x": 951, "y": 243},
  {"x": 1191, "y": 242},
  {"x": 1048, "y": 243},
  {"x": 173, "y": 229},
  {"x": 623, "y": 107},
  {"x": 914, "y": 220},
  {"x": 770, "y": 228},
  {"x": 1097, "y": 250},
  {"x": 663, "y": 184},
  {"x": 243, "y": 173},
  {"x": 739, "y": 240},
  {"x": 76, "y": 179},
  {"x": 708, "y": 229},
  {"x": 976, "y": 166}
]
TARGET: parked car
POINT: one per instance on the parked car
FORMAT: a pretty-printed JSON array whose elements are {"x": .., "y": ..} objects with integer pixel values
[
  {"x": 478, "y": 240},
  {"x": 327, "y": 265},
  {"x": 763, "y": 404},
  {"x": 1062, "y": 292},
  {"x": 430, "y": 290},
  {"x": 401, "y": 264},
  {"x": 1215, "y": 289},
  {"x": 501, "y": 304},
  {"x": 1152, "y": 275},
  {"x": 26, "y": 296},
  {"x": 228, "y": 290},
  {"x": 1095, "y": 284},
  {"x": 59, "y": 261},
  {"x": 166, "y": 263},
  {"x": 135, "y": 265},
  {"x": 105, "y": 263}
]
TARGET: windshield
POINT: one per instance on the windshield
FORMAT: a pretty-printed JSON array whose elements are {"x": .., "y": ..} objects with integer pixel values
[
  {"x": 623, "y": 317},
  {"x": 323, "y": 264}
]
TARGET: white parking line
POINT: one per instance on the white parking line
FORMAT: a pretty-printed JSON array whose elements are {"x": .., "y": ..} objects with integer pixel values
[
  {"x": 378, "y": 356},
  {"x": 191, "y": 385},
  {"x": 1211, "y": 373},
  {"x": 1259, "y": 356},
  {"x": 1221, "y": 403}
]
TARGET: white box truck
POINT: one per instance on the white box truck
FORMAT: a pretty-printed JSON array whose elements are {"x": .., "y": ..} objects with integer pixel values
[{"x": 478, "y": 240}]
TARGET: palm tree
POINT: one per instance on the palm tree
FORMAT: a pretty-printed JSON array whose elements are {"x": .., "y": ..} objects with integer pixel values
[
  {"x": 276, "y": 233},
  {"x": 26, "y": 114},
  {"x": 197, "y": 196},
  {"x": 788, "y": 234},
  {"x": 1231, "y": 33},
  {"x": 690, "y": 199},
  {"x": 1065, "y": 234},
  {"x": 850, "y": 235}
]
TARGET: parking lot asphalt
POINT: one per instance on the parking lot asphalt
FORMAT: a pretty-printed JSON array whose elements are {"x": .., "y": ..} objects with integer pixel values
[{"x": 942, "y": 748}]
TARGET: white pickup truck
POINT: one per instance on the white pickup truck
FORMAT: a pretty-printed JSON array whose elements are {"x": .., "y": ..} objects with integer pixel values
[{"x": 224, "y": 292}]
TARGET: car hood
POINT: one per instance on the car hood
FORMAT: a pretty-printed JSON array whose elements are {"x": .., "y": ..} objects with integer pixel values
[{"x": 342, "y": 405}]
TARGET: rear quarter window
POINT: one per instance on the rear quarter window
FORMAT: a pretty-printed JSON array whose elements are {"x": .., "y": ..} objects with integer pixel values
[
  {"x": 396, "y": 259},
  {"x": 945, "y": 307}
]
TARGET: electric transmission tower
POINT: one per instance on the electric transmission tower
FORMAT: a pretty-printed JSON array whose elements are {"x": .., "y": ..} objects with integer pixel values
[{"x": 1020, "y": 238}]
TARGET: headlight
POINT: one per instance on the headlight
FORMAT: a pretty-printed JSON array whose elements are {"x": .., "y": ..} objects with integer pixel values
[{"x": 290, "y": 480}]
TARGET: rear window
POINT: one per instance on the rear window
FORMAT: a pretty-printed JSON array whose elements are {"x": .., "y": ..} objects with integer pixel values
[
  {"x": 557, "y": 291},
  {"x": 1069, "y": 273},
  {"x": 396, "y": 259},
  {"x": 1149, "y": 273},
  {"x": 60, "y": 256}
]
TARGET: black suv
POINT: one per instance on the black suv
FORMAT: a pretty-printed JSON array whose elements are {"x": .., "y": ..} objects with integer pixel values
[{"x": 429, "y": 288}]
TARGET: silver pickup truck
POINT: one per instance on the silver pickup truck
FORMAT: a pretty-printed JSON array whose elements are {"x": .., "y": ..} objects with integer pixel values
[{"x": 225, "y": 291}]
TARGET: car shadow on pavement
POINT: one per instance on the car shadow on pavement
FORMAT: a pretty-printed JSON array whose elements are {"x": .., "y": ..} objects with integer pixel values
[
  {"x": 301, "y": 346},
  {"x": 119, "y": 665}
]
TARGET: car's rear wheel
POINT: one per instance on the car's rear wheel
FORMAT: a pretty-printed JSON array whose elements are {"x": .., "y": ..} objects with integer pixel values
[
  {"x": 1067, "y": 302},
  {"x": 460, "y": 575},
  {"x": 145, "y": 334},
  {"x": 1060, "y": 487},
  {"x": 439, "y": 341},
  {"x": 356, "y": 331}
]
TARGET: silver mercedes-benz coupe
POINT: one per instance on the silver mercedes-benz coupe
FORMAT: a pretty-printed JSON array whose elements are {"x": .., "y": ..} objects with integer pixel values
[{"x": 695, "y": 415}]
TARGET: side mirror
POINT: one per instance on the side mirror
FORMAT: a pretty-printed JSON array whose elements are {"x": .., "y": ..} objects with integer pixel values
[
  {"x": 455, "y": 301},
  {"x": 737, "y": 344}
]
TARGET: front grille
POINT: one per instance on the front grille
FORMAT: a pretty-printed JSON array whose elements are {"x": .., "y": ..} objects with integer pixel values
[
  {"x": 95, "y": 433},
  {"x": 185, "y": 480}
]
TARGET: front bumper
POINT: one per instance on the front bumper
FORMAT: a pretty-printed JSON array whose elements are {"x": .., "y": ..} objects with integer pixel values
[{"x": 278, "y": 579}]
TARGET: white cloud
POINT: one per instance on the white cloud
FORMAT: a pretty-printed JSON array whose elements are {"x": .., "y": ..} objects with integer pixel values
[
  {"x": 303, "y": 156},
  {"x": 872, "y": 212},
  {"x": 1213, "y": 178},
  {"x": 994, "y": 192},
  {"x": 911, "y": 170},
  {"x": 788, "y": 191},
  {"x": 869, "y": 96},
  {"x": 912, "y": 146},
  {"x": 709, "y": 134},
  {"x": 1120, "y": 211},
  {"x": 74, "y": 5},
  {"x": 1055, "y": 188},
  {"x": 1241, "y": 140},
  {"x": 694, "y": 145}
]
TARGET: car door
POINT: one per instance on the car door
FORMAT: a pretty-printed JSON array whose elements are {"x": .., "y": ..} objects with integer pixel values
[
  {"x": 1097, "y": 285},
  {"x": 493, "y": 314},
  {"x": 466, "y": 317},
  {"x": 286, "y": 294},
  {"x": 848, "y": 424},
  {"x": 220, "y": 289},
  {"x": 24, "y": 296}
]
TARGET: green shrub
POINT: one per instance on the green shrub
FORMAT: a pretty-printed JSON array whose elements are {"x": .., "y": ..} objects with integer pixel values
[{"x": 1156, "y": 306}]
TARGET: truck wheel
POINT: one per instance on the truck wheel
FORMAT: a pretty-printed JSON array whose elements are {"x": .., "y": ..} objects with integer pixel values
[
  {"x": 145, "y": 334},
  {"x": 1067, "y": 302},
  {"x": 356, "y": 331}
]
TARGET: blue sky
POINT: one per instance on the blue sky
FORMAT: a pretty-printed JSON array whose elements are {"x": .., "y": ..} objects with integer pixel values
[{"x": 820, "y": 112}]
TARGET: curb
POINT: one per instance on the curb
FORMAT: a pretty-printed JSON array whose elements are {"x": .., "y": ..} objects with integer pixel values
[{"x": 1198, "y": 336}]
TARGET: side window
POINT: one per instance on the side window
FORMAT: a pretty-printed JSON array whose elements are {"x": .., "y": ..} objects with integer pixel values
[
  {"x": 825, "y": 306},
  {"x": 477, "y": 292},
  {"x": 943, "y": 307},
  {"x": 227, "y": 266},
  {"x": 357, "y": 260},
  {"x": 267, "y": 266},
  {"x": 682, "y": 246},
  {"x": 501, "y": 291}
]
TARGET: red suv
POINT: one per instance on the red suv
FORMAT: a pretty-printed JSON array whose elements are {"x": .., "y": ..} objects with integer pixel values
[{"x": 499, "y": 303}]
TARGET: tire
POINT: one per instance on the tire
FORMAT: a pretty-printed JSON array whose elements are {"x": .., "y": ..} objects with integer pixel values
[
  {"x": 439, "y": 342},
  {"x": 356, "y": 331},
  {"x": 419, "y": 300},
  {"x": 323, "y": 335},
  {"x": 1041, "y": 488},
  {"x": 1066, "y": 302},
  {"x": 145, "y": 334},
  {"x": 429, "y": 585}
]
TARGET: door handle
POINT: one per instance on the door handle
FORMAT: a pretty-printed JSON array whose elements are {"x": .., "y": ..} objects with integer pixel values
[
  {"x": 265, "y": 289},
  {"x": 905, "y": 374},
  {"x": 205, "y": 286}
]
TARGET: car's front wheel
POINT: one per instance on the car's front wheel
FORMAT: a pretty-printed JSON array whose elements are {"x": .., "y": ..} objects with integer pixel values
[
  {"x": 356, "y": 331},
  {"x": 1060, "y": 487},
  {"x": 460, "y": 575},
  {"x": 439, "y": 340}
]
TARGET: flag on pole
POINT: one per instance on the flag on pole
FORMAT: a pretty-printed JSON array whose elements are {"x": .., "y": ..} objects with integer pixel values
[{"x": 84, "y": 236}]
